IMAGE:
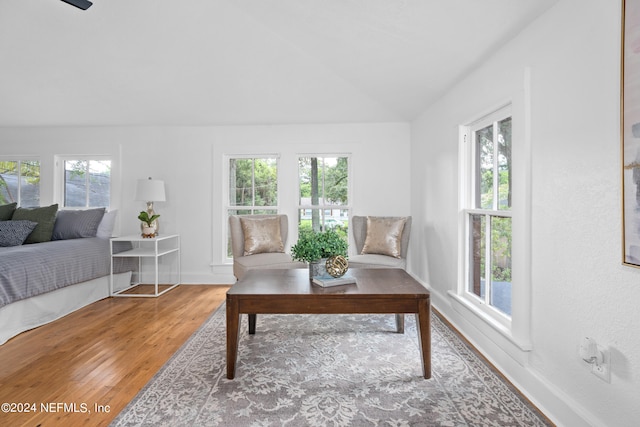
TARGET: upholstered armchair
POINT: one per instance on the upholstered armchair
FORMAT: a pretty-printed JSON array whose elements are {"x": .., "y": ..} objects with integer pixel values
[
  {"x": 258, "y": 241},
  {"x": 381, "y": 241}
]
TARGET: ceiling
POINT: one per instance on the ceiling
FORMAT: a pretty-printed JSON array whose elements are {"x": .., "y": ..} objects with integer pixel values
[{"x": 220, "y": 62}]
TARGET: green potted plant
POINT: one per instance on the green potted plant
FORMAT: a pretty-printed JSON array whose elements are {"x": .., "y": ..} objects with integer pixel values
[
  {"x": 148, "y": 223},
  {"x": 313, "y": 247}
]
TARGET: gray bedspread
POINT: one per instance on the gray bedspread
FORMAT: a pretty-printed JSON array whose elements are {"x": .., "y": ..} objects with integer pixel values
[{"x": 30, "y": 270}]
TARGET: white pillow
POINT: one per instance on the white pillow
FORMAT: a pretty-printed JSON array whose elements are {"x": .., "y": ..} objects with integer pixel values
[{"x": 105, "y": 229}]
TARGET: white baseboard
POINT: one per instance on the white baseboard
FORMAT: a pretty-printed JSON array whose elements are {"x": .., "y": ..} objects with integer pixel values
[
  {"x": 207, "y": 279},
  {"x": 560, "y": 408}
]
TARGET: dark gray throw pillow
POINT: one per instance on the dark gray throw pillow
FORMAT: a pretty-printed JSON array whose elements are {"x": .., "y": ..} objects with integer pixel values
[
  {"x": 45, "y": 217},
  {"x": 14, "y": 233},
  {"x": 77, "y": 224},
  {"x": 6, "y": 211}
]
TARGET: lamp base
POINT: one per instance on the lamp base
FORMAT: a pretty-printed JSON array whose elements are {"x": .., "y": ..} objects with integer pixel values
[{"x": 150, "y": 230}]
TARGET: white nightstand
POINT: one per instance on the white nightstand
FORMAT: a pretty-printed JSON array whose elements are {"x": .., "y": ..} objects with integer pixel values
[{"x": 145, "y": 248}]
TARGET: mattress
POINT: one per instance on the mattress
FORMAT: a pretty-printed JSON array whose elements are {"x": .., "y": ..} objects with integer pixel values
[{"x": 35, "y": 269}]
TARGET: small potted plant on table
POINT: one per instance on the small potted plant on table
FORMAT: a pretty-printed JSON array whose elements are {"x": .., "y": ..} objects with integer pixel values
[
  {"x": 315, "y": 247},
  {"x": 149, "y": 224}
]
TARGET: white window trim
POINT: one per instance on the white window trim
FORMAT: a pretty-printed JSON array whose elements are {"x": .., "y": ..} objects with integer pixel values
[
  {"x": 468, "y": 209},
  {"x": 517, "y": 329},
  {"x": 19, "y": 159},
  {"x": 58, "y": 179},
  {"x": 225, "y": 195}
]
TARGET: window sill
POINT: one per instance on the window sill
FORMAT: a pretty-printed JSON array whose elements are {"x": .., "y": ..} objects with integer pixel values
[{"x": 491, "y": 328}]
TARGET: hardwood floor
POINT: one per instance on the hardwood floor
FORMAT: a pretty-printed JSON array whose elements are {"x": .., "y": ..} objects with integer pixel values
[{"x": 86, "y": 367}]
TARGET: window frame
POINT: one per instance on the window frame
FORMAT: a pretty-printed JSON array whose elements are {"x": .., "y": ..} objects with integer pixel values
[
  {"x": 19, "y": 160},
  {"x": 469, "y": 191},
  {"x": 226, "y": 205},
  {"x": 60, "y": 179}
]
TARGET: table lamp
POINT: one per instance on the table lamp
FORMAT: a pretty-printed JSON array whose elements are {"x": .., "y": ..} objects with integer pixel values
[{"x": 150, "y": 190}]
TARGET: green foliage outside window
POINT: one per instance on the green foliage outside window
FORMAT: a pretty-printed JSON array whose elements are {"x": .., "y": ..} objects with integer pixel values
[
  {"x": 487, "y": 152},
  {"x": 253, "y": 182},
  {"x": 501, "y": 249},
  {"x": 25, "y": 172}
]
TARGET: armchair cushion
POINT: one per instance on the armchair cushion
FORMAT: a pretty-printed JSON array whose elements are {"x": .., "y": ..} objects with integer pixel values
[
  {"x": 261, "y": 235},
  {"x": 384, "y": 236},
  {"x": 266, "y": 260},
  {"x": 376, "y": 261}
]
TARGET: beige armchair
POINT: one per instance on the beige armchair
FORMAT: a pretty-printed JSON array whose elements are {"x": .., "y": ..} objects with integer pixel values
[
  {"x": 381, "y": 241},
  {"x": 258, "y": 241}
]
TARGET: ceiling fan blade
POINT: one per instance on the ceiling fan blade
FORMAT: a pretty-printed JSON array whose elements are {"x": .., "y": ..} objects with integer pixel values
[{"x": 81, "y": 4}]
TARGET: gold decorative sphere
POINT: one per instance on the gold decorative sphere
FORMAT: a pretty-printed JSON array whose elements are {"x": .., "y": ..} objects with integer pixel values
[{"x": 337, "y": 265}]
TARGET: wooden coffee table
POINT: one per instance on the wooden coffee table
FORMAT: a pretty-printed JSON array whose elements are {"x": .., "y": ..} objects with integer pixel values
[{"x": 289, "y": 291}]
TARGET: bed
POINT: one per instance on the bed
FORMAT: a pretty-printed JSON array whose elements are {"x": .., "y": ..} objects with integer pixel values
[{"x": 41, "y": 281}]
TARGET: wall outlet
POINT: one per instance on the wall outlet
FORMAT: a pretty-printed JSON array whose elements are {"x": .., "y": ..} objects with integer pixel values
[{"x": 603, "y": 370}]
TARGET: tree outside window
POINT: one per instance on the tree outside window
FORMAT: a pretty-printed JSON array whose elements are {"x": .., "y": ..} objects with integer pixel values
[
  {"x": 87, "y": 183},
  {"x": 323, "y": 200},
  {"x": 489, "y": 216},
  {"x": 253, "y": 188},
  {"x": 20, "y": 182}
]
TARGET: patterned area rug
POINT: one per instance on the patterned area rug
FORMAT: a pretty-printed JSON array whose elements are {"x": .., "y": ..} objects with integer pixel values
[{"x": 327, "y": 370}]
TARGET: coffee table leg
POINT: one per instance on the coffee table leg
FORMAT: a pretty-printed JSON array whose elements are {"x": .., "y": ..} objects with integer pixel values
[
  {"x": 400, "y": 323},
  {"x": 233, "y": 336},
  {"x": 423, "y": 322},
  {"x": 252, "y": 324}
]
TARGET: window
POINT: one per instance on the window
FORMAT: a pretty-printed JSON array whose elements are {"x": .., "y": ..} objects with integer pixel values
[
  {"x": 323, "y": 198},
  {"x": 487, "y": 214},
  {"x": 85, "y": 182},
  {"x": 252, "y": 187},
  {"x": 20, "y": 182}
]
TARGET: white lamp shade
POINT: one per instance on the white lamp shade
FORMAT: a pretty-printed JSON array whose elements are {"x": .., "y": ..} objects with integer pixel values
[{"x": 150, "y": 190}]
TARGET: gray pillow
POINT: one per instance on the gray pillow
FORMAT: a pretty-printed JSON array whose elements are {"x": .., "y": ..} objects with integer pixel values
[
  {"x": 45, "y": 217},
  {"x": 6, "y": 211},
  {"x": 14, "y": 233},
  {"x": 77, "y": 224}
]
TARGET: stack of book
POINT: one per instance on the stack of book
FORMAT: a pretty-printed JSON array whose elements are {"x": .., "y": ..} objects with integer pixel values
[{"x": 326, "y": 280}]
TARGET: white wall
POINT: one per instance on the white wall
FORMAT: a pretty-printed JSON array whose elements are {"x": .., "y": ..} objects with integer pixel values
[
  {"x": 189, "y": 160},
  {"x": 569, "y": 61},
  {"x": 578, "y": 285}
]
